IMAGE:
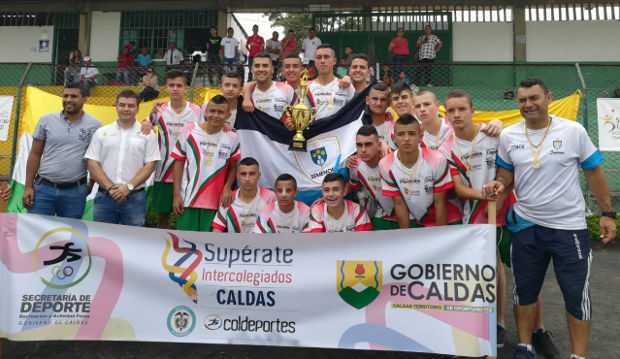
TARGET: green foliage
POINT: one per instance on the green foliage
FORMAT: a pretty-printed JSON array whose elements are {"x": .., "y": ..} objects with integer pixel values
[{"x": 299, "y": 23}]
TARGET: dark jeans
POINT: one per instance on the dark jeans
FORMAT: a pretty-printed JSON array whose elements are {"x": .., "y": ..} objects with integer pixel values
[
  {"x": 131, "y": 212},
  {"x": 61, "y": 202},
  {"x": 214, "y": 69},
  {"x": 87, "y": 85},
  {"x": 425, "y": 70},
  {"x": 397, "y": 68}
]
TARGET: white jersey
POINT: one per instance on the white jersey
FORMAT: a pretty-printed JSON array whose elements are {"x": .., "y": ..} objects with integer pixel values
[
  {"x": 443, "y": 141},
  {"x": 371, "y": 197},
  {"x": 330, "y": 98},
  {"x": 169, "y": 125},
  {"x": 275, "y": 100},
  {"x": 550, "y": 195},
  {"x": 386, "y": 133},
  {"x": 240, "y": 217},
  {"x": 273, "y": 220}
]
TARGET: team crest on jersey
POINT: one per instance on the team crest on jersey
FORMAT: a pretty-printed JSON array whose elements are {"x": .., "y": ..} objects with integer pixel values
[
  {"x": 557, "y": 144},
  {"x": 359, "y": 282},
  {"x": 321, "y": 158}
]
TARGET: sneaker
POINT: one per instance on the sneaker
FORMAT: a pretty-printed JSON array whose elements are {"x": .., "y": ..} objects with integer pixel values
[
  {"x": 501, "y": 336},
  {"x": 522, "y": 352},
  {"x": 542, "y": 340}
]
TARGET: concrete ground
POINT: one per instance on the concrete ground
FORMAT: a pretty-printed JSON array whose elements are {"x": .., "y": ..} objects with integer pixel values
[{"x": 605, "y": 337}]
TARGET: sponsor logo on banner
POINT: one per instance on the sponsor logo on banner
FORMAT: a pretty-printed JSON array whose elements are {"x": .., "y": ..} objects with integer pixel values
[
  {"x": 612, "y": 123},
  {"x": 183, "y": 271},
  {"x": 63, "y": 257},
  {"x": 213, "y": 322},
  {"x": 359, "y": 282},
  {"x": 321, "y": 158},
  {"x": 247, "y": 324},
  {"x": 181, "y": 321}
]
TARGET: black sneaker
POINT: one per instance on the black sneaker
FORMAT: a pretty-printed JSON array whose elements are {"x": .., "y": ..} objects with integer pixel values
[
  {"x": 542, "y": 340},
  {"x": 521, "y": 352},
  {"x": 501, "y": 336}
]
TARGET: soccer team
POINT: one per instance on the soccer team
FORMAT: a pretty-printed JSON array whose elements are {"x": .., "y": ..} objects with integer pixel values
[{"x": 412, "y": 168}]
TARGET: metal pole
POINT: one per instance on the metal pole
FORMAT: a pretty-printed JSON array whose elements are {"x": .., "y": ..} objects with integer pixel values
[
  {"x": 192, "y": 82},
  {"x": 377, "y": 69},
  {"x": 584, "y": 95},
  {"x": 18, "y": 97}
]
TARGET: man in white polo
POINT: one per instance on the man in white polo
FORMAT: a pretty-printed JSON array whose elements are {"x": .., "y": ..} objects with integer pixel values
[{"x": 120, "y": 159}]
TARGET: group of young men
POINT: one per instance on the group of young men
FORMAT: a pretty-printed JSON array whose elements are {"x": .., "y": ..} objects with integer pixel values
[{"x": 412, "y": 168}]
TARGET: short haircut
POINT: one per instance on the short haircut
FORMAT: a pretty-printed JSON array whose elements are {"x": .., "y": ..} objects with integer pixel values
[
  {"x": 361, "y": 57},
  {"x": 175, "y": 74},
  {"x": 230, "y": 28},
  {"x": 460, "y": 94},
  {"x": 218, "y": 100},
  {"x": 76, "y": 86},
  {"x": 327, "y": 46},
  {"x": 407, "y": 119},
  {"x": 233, "y": 75},
  {"x": 293, "y": 56},
  {"x": 263, "y": 55},
  {"x": 312, "y": 29},
  {"x": 367, "y": 130},
  {"x": 401, "y": 86},
  {"x": 249, "y": 161},
  {"x": 531, "y": 82},
  {"x": 333, "y": 177},
  {"x": 286, "y": 177},
  {"x": 380, "y": 86},
  {"x": 427, "y": 92},
  {"x": 128, "y": 94}
]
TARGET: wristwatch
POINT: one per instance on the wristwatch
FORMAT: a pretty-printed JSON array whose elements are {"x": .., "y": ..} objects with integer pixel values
[
  {"x": 610, "y": 214},
  {"x": 130, "y": 187}
]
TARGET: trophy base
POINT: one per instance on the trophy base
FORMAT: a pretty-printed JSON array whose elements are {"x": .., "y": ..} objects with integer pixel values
[{"x": 298, "y": 146}]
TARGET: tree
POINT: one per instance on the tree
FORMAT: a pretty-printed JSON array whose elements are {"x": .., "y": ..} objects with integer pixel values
[{"x": 299, "y": 23}]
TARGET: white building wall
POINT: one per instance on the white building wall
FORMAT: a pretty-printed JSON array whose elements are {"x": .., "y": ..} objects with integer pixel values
[
  {"x": 105, "y": 35},
  {"x": 573, "y": 41},
  {"x": 482, "y": 42},
  {"x": 21, "y": 43}
]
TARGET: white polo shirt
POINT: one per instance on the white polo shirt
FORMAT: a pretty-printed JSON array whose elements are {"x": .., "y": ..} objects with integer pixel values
[{"x": 122, "y": 152}]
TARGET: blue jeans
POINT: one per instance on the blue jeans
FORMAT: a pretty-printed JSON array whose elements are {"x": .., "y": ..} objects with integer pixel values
[
  {"x": 52, "y": 201},
  {"x": 131, "y": 212}
]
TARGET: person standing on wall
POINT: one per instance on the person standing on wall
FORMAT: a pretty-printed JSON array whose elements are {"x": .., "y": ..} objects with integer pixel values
[{"x": 428, "y": 46}]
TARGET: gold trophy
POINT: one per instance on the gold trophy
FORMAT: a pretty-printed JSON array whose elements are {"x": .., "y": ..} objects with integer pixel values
[{"x": 301, "y": 115}]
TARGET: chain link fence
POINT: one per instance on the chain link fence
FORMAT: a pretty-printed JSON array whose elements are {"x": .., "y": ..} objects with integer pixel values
[{"x": 492, "y": 86}]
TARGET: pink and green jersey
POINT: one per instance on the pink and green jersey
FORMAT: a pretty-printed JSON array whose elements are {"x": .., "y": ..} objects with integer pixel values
[
  {"x": 208, "y": 158},
  {"x": 474, "y": 162},
  {"x": 368, "y": 181},
  {"x": 273, "y": 220},
  {"x": 354, "y": 219},
  {"x": 169, "y": 125},
  {"x": 240, "y": 217},
  {"x": 418, "y": 185},
  {"x": 444, "y": 140}
]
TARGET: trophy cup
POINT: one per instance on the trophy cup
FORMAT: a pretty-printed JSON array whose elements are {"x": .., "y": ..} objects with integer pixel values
[{"x": 301, "y": 115}]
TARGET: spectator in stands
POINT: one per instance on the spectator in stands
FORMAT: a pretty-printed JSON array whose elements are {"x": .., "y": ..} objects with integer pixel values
[
  {"x": 285, "y": 215},
  {"x": 88, "y": 76},
  {"x": 72, "y": 71},
  {"x": 144, "y": 59},
  {"x": 120, "y": 159},
  {"x": 334, "y": 213},
  {"x": 274, "y": 48},
  {"x": 151, "y": 85},
  {"x": 345, "y": 62},
  {"x": 428, "y": 47},
  {"x": 56, "y": 183},
  {"x": 254, "y": 45},
  {"x": 248, "y": 201},
  {"x": 124, "y": 65},
  {"x": 329, "y": 96},
  {"x": 230, "y": 48},
  {"x": 173, "y": 56},
  {"x": 289, "y": 44},
  {"x": 399, "y": 49},
  {"x": 309, "y": 47},
  {"x": 214, "y": 43},
  {"x": 231, "y": 90},
  {"x": 213, "y": 165},
  {"x": 386, "y": 75}
]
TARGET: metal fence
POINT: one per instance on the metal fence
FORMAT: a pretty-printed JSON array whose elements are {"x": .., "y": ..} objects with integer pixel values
[{"x": 491, "y": 85}]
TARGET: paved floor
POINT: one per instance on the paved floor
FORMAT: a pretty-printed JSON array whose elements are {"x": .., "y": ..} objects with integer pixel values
[{"x": 605, "y": 338}]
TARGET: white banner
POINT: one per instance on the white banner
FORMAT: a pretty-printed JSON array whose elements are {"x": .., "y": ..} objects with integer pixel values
[
  {"x": 6, "y": 109},
  {"x": 608, "y": 110},
  {"x": 422, "y": 290}
]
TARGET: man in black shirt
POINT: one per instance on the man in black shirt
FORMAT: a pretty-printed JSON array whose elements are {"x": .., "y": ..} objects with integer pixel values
[{"x": 213, "y": 56}]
